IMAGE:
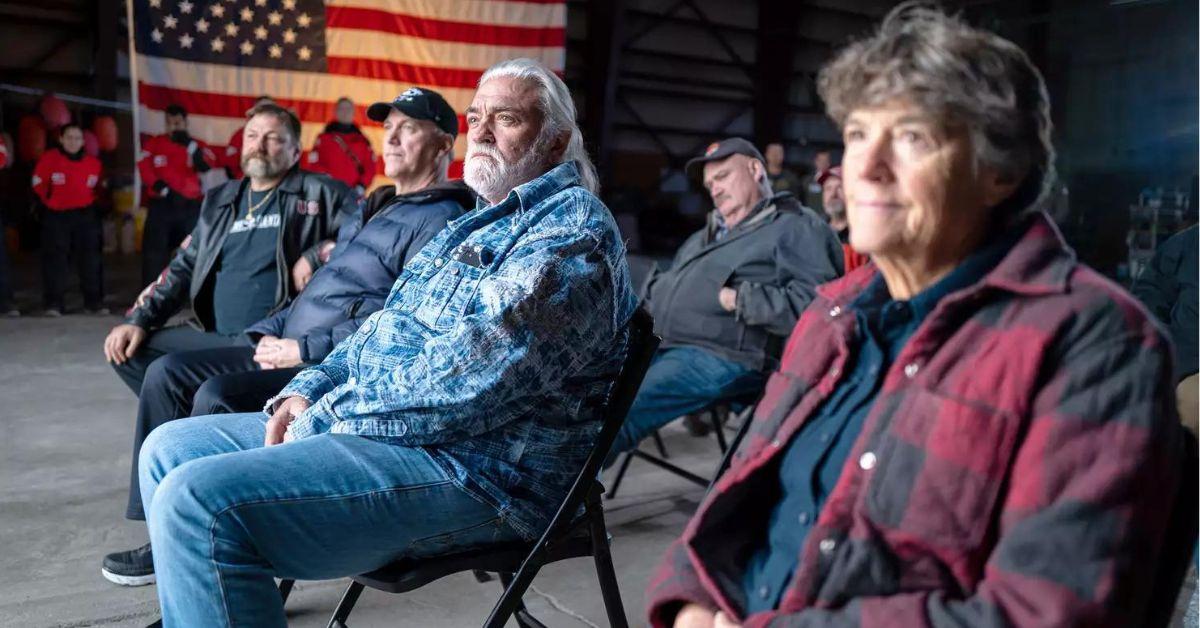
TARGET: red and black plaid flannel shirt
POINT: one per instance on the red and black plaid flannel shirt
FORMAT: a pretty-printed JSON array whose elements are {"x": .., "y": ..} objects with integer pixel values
[{"x": 1017, "y": 467}]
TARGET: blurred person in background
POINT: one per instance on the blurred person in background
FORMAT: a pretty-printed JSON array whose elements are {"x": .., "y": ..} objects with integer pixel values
[
  {"x": 170, "y": 166},
  {"x": 781, "y": 177},
  {"x": 732, "y": 294},
  {"x": 835, "y": 210},
  {"x": 343, "y": 152},
  {"x": 810, "y": 192}
]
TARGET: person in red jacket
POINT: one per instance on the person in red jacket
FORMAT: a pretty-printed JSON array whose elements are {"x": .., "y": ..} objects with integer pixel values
[
  {"x": 342, "y": 151},
  {"x": 231, "y": 158},
  {"x": 170, "y": 166},
  {"x": 66, "y": 180}
]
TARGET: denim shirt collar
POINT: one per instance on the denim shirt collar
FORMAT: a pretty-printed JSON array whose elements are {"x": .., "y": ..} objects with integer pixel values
[{"x": 530, "y": 193}]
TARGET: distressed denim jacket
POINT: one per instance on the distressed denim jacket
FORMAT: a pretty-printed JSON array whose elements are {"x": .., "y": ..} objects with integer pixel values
[{"x": 493, "y": 350}]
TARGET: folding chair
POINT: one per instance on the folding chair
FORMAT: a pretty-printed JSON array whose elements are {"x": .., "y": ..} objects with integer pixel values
[
  {"x": 714, "y": 411},
  {"x": 1180, "y": 544},
  {"x": 566, "y": 536}
]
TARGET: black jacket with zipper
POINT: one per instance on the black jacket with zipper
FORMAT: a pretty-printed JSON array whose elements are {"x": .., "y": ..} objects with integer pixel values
[
  {"x": 372, "y": 249},
  {"x": 313, "y": 206},
  {"x": 775, "y": 259}
]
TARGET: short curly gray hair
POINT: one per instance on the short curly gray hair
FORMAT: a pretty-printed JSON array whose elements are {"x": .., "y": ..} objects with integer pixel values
[{"x": 963, "y": 74}]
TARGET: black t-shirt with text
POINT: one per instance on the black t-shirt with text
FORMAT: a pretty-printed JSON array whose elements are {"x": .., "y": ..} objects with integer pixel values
[{"x": 247, "y": 274}]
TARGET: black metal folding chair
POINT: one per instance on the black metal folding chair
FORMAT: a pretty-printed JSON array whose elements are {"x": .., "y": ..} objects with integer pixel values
[
  {"x": 1179, "y": 546},
  {"x": 566, "y": 536},
  {"x": 715, "y": 412}
]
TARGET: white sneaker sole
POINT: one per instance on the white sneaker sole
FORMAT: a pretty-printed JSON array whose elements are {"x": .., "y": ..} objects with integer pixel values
[{"x": 127, "y": 581}]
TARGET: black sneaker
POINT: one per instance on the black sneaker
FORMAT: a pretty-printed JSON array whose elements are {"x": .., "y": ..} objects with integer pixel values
[{"x": 133, "y": 568}]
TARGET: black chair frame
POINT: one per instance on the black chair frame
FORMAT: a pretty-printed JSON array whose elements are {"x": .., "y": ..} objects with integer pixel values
[
  {"x": 566, "y": 536},
  {"x": 714, "y": 412}
]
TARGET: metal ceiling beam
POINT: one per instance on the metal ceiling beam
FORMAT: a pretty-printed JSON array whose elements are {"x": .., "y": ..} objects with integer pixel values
[
  {"x": 689, "y": 82},
  {"x": 746, "y": 101},
  {"x": 35, "y": 15},
  {"x": 628, "y": 88},
  {"x": 653, "y": 20},
  {"x": 672, "y": 17},
  {"x": 640, "y": 124},
  {"x": 26, "y": 76},
  {"x": 65, "y": 39},
  {"x": 681, "y": 57}
]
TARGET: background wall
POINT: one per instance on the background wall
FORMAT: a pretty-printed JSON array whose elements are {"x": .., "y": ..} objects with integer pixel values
[{"x": 657, "y": 80}]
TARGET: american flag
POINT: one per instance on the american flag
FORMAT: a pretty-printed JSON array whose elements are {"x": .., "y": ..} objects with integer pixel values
[{"x": 216, "y": 57}]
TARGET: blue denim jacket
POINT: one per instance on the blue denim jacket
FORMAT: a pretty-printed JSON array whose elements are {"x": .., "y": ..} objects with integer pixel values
[{"x": 493, "y": 350}]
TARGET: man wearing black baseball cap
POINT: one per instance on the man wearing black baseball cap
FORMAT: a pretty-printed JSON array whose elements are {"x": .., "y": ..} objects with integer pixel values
[
  {"x": 421, "y": 104},
  {"x": 733, "y": 293}
]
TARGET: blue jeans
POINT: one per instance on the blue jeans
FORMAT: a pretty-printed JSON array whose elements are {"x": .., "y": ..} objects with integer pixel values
[
  {"x": 682, "y": 380},
  {"x": 227, "y": 515}
]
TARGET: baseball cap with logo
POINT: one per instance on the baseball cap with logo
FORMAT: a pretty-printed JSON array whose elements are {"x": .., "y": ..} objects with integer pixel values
[
  {"x": 419, "y": 103},
  {"x": 718, "y": 151}
]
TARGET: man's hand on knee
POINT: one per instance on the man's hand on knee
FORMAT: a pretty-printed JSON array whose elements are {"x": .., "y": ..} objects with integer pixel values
[
  {"x": 122, "y": 342},
  {"x": 285, "y": 412}
]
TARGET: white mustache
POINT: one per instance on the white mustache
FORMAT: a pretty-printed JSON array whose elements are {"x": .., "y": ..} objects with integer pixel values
[{"x": 484, "y": 149}]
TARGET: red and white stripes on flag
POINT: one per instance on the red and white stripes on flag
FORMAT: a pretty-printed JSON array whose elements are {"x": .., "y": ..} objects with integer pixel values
[{"x": 374, "y": 50}]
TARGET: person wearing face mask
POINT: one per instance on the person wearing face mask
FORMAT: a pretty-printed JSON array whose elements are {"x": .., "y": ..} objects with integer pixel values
[
  {"x": 732, "y": 294},
  {"x": 65, "y": 181},
  {"x": 170, "y": 167},
  {"x": 343, "y": 152}
]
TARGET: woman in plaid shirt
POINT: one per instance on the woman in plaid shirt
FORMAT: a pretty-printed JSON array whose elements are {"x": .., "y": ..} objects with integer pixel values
[{"x": 974, "y": 429}]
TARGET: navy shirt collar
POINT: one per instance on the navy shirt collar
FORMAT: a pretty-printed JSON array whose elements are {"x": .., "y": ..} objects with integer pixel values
[{"x": 875, "y": 300}]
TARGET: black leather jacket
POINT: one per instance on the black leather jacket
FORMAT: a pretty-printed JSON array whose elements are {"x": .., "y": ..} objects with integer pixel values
[{"x": 313, "y": 207}]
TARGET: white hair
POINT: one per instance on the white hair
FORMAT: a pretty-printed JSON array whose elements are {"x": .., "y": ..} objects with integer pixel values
[{"x": 558, "y": 112}]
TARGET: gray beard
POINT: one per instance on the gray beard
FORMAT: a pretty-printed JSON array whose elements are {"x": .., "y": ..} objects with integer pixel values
[
  {"x": 495, "y": 180},
  {"x": 259, "y": 168}
]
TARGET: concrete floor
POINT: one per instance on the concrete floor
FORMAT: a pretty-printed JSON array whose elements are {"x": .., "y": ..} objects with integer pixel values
[{"x": 64, "y": 458}]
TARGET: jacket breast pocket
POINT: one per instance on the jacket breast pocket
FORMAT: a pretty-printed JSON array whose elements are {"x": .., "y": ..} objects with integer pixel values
[
  {"x": 939, "y": 467},
  {"x": 448, "y": 295}
]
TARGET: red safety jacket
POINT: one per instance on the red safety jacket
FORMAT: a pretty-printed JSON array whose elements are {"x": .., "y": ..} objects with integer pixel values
[
  {"x": 345, "y": 156},
  {"x": 64, "y": 184},
  {"x": 231, "y": 158},
  {"x": 169, "y": 162}
]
